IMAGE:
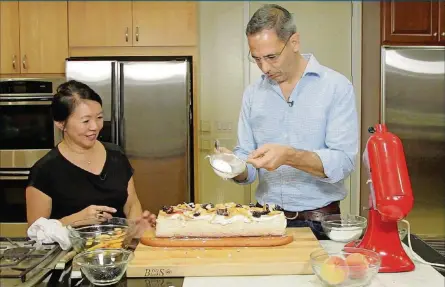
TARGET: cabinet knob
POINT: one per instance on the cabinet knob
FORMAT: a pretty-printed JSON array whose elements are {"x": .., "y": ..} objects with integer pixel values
[
  {"x": 137, "y": 34},
  {"x": 443, "y": 34},
  {"x": 13, "y": 62},
  {"x": 126, "y": 35},
  {"x": 435, "y": 34}
]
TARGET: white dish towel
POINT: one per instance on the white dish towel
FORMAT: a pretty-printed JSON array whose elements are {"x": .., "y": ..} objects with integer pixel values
[{"x": 45, "y": 231}]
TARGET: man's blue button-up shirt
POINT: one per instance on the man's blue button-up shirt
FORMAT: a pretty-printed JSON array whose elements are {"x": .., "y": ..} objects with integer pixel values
[{"x": 322, "y": 118}]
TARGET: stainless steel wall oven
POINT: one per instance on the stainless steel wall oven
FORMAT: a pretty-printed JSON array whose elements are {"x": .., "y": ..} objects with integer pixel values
[{"x": 27, "y": 133}]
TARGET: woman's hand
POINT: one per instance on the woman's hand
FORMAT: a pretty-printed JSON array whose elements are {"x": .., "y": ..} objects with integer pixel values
[
  {"x": 95, "y": 213},
  {"x": 146, "y": 222}
]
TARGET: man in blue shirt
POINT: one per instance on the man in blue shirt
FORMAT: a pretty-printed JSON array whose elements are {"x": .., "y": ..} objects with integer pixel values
[{"x": 297, "y": 125}]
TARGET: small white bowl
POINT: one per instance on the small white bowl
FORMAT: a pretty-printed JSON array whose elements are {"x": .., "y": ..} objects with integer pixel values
[
  {"x": 343, "y": 227},
  {"x": 226, "y": 165}
]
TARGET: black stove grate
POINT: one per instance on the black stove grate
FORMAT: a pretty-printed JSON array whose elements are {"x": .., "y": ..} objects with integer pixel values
[{"x": 20, "y": 259}]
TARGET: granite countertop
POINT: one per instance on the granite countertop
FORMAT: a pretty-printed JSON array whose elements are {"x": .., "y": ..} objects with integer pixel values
[{"x": 423, "y": 275}]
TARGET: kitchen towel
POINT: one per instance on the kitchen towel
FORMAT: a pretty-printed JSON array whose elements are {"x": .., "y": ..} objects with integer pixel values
[{"x": 45, "y": 231}]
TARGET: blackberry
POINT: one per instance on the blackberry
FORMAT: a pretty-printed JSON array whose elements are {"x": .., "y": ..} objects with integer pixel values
[
  {"x": 196, "y": 214},
  {"x": 223, "y": 212},
  {"x": 278, "y": 208},
  {"x": 167, "y": 209},
  {"x": 256, "y": 214},
  {"x": 207, "y": 205}
]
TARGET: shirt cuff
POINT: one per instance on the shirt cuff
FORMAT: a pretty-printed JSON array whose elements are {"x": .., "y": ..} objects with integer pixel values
[
  {"x": 251, "y": 174},
  {"x": 332, "y": 165}
]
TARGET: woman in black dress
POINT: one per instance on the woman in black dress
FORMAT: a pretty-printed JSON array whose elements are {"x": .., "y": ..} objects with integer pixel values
[{"x": 82, "y": 178}]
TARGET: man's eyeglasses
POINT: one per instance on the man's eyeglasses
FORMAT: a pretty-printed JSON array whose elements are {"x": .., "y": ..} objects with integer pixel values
[{"x": 271, "y": 58}]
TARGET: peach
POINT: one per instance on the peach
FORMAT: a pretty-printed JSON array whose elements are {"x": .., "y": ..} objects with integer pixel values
[
  {"x": 358, "y": 265},
  {"x": 334, "y": 270}
]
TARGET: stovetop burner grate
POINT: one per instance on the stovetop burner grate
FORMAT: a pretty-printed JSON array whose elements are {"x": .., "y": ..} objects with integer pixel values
[{"x": 19, "y": 257}]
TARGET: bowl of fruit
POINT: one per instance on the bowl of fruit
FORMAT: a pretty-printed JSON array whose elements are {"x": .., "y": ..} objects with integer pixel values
[
  {"x": 351, "y": 267},
  {"x": 91, "y": 234}
]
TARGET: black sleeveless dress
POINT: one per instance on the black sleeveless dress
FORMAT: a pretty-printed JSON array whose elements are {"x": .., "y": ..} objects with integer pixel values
[{"x": 73, "y": 189}]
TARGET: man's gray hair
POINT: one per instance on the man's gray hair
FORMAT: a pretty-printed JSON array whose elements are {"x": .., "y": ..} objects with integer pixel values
[{"x": 272, "y": 17}]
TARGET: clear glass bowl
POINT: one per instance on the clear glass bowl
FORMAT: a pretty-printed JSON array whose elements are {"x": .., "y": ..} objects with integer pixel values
[
  {"x": 91, "y": 234},
  {"x": 343, "y": 227},
  {"x": 104, "y": 266},
  {"x": 352, "y": 267},
  {"x": 226, "y": 165}
]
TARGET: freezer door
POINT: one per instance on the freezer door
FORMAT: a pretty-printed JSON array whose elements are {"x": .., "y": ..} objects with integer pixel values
[
  {"x": 102, "y": 77},
  {"x": 155, "y": 106}
]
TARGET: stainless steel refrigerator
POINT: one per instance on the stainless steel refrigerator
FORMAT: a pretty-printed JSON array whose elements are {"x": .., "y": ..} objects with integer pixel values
[
  {"x": 147, "y": 104},
  {"x": 413, "y": 107}
]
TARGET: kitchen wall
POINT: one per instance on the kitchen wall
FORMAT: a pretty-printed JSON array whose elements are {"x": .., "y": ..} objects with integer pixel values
[{"x": 325, "y": 29}]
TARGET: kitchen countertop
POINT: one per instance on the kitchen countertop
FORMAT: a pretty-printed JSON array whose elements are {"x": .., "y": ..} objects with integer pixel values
[{"x": 423, "y": 275}]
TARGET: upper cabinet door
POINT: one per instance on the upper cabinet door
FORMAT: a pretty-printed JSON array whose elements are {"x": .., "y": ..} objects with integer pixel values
[
  {"x": 442, "y": 22},
  {"x": 164, "y": 23},
  {"x": 43, "y": 36},
  {"x": 100, "y": 23},
  {"x": 9, "y": 37},
  {"x": 407, "y": 22}
]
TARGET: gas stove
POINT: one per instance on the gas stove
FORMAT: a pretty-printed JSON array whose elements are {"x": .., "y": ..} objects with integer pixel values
[{"x": 21, "y": 259}]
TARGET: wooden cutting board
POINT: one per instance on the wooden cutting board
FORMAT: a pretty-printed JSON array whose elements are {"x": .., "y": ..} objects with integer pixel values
[{"x": 292, "y": 258}]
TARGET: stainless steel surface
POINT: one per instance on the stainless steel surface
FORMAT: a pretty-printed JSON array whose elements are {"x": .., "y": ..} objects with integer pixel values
[
  {"x": 149, "y": 105},
  {"x": 23, "y": 103},
  {"x": 14, "y": 175},
  {"x": 413, "y": 108},
  {"x": 97, "y": 75},
  {"x": 25, "y": 158},
  {"x": 155, "y": 126}
]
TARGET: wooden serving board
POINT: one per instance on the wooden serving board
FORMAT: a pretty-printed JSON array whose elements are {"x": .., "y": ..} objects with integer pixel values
[
  {"x": 292, "y": 258},
  {"x": 258, "y": 241}
]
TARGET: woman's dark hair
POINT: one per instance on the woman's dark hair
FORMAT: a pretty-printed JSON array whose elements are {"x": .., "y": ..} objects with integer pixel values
[{"x": 68, "y": 96}]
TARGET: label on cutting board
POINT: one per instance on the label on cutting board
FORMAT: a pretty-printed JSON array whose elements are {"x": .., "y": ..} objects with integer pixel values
[{"x": 159, "y": 272}]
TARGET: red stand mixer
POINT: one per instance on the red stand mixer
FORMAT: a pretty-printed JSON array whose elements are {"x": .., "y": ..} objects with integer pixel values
[{"x": 390, "y": 200}]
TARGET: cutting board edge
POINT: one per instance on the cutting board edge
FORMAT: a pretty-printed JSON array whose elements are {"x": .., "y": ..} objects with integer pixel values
[{"x": 222, "y": 270}]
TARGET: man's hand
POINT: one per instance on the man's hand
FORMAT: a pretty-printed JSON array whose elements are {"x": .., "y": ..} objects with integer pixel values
[{"x": 269, "y": 156}]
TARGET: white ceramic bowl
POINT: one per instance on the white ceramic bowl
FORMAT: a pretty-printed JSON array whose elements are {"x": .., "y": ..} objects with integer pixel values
[
  {"x": 226, "y": 165},
  {"x": 343, "y": 227}
]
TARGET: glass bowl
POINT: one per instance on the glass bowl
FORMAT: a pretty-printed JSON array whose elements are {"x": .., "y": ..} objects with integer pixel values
[
  {"x": 343, "y": 227},
  {"x": 352, "y": 267},
  {"x": 103, "y": 266},
  {"x": 91, "y": 234},
  {"x": 226, "y": 165}
]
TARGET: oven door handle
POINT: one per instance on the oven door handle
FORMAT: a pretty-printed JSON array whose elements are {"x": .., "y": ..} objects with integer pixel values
[
  {"x": 22, "y": 102},
  {"x": 14, "y": 175}
]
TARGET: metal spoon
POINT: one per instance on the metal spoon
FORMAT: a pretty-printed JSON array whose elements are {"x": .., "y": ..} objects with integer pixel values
[{"x": 217, "y": 145}]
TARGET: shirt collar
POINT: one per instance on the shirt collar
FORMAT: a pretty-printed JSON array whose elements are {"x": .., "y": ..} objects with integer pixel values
[{"x": 313, "y": 67}]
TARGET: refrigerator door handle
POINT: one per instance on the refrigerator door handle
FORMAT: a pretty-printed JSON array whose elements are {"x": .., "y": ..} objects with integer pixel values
[
  {"x": 121, "y": 125},
  {"x": 114, "y": 103}
]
